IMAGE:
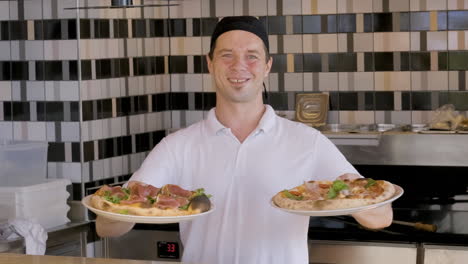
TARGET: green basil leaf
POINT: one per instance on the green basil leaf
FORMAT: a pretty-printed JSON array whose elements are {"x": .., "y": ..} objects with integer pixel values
[
  {"x": 339, "y": 185},
  {"x": 331, "y": 193},
  {"x": 292, "y": 196},
  {"x": 185, "y": 207},
  {"x": 370, "y": 182},
  {"x": 123, "y": 211}
]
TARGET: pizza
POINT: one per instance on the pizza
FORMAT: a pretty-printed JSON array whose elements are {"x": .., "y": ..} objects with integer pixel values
[
  {"x": 333, "y": 195},
  {"x": 147, "y": 200}
]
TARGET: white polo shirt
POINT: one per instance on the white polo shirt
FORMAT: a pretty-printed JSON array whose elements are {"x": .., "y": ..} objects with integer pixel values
[{"x": 244, "y": 228}]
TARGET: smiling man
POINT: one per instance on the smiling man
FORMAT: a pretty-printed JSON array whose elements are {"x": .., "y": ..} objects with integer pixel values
[{"x": 243, "y": 154}]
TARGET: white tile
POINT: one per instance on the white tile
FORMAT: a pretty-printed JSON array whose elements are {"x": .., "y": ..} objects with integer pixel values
[
  {"x": 421, "y": 117},
  {"x": 15, "y": 91},
  {"x": 437, "y": 40},
  {"x": 258, "y": 7},
  {"x": 357, "y": 117},
  {"x": 176, "y": 121},
  {"x": 70, "y": 131},
  {"x": 135, "y": 161},
  {"x": 13, "y": 6},
  {"x": 5, "y": 49},
  {"x": 328, "y": 81},
  {"x": 134, "y": 121},
  {"x": 186, "y": 45},
  {"x": 52, "y": 170},
  {"x": 72, "y": 171},
  {"x": 36, "y": 130},
  {"x": 193, "y": 116},
  {"x": 5, "y": 90},
  {"x": 96, "y": 129},
  {"x": 190, "y": 8},
  {"x": 391, "y": 41},
  {"x": 292, "y": 7},
  {"x": 117, "y": 166},
  {"x": 292, "y": 43},
  {"x": 327, "y": 43},
  {"x": 115, "y": 125},
  {"x": 4, "y": 10},
  {"x": 58, "y": 49},
  {"x": 224, "y": 8},
  {"x": 98, "y": 169},
  {"x": 14, "y": 50},
  {"x": 293, "y": 82},
  {"x": 35, "y": 91},
  {"x": 208, "y": 85},
  {"x": 399, "y": 5},
  {"x": 107, "y": 168},
  {"x": 6, "y": 130},
  {"x": 69, "y": 91},
  {"x": 50, "y": 130}
]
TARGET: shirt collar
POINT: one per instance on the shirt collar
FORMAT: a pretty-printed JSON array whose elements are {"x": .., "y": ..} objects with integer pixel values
[{"x": 266, "y": 123}]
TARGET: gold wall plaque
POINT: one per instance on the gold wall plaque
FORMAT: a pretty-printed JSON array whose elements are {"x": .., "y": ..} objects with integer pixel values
[{"x": 312, "y": 108}]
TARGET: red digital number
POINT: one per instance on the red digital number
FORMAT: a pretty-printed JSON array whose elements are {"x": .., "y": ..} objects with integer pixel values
[{"x": 171, "y": 248}]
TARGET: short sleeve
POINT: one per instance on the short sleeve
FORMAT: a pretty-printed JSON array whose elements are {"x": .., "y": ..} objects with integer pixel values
[
  {"x": 158, "y": 168},
  {"x": 330, "y": 163}
]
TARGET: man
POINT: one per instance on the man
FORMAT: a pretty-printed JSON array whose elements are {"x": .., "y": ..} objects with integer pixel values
[{"x": 243, "y": 154}]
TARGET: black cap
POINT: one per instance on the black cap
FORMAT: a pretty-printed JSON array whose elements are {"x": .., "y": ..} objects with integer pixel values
[{"x": 246, "y": 23}]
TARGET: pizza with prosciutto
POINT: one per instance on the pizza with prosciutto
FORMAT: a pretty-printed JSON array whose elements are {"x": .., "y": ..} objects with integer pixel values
[
  {"x": 334, "y": 195},
  {"x": 147, "y": 200}
]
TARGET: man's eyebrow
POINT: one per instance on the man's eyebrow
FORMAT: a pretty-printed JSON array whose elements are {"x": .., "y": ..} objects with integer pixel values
[
  {"x": 225, "y": 50},
  {"x": 254, "y": 51}
]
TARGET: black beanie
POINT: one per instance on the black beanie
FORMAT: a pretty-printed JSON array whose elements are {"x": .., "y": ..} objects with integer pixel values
[{"x": 246, "y": 23}]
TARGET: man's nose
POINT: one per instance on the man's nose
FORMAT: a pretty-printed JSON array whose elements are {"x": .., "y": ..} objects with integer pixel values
[{"x": 238, "y": 62}]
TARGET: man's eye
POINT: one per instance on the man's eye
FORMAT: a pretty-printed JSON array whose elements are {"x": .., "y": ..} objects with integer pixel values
[
  {"x": 226, "y": 55},
  {"x": 252, "y": 57}
]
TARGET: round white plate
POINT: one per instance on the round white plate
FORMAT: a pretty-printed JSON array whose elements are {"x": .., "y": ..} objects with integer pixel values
[
  {"x": 347, "y": 211},
  {"x": 142, "y": 219}
]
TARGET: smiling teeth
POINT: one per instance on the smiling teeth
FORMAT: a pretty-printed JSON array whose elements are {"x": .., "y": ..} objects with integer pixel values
[{"x": 238, "y": 80}]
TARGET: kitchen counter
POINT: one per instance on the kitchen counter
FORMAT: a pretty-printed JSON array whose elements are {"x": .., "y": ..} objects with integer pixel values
[{"x": 29, "y": 259}]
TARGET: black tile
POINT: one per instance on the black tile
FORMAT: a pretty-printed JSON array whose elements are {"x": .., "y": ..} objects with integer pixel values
[
  {"x": 332, "y": 24},
  {"x": 342, "y": 62},
  {"x": 38, "y": 30},
  {"x": 123, "y": 106},
  {"x": 311, "y": 24},
  {"x": 52, "y": 29},
  {"x": 117, "y": 146},
  {"x": 75, "y": 151},
  {"x": 334, "y": 101},
  {"x": 298, "y": 62},
  {"x": 124, "y": 67},
  {"x": 442, "y": 20},
  {"x": 74, "y": 111},
  {"x": 196, "y": 27},
  {"x": 88, "y": 151},
  {"x": 19, "y": 70},
  {"x": 208, "y": 25},
  {"x": 383, "y": 61},
  {"x": 297, "y": 24},
  {"x": 279, "y": 63},
  {"x": 159, "y": 28},
  {"x": 348, "y": 101},
  {"x": 405, "y": 100},
  {"x": 106, "y": 148},
  {"x": 205, "y": 101},
  {"x": 56, "y": 152},
  {"x": 139, "y": 28},
  {"x": 278, "y": 100},
  {"x": 368, "y": 61},
  {"x": 179, "y": 101},
  {"x": 368, "y": 23},
  {"x": 54, "y": 111},
  {"x": 158, "y": 136},
  {"x": 73, "y": 70},
  {"x": 404, "y": 61},
  {"x": 5, "y": 71},
  {"x": 161, "y": 102},
  {"x": 347, "y": 23},
  {"x": 40, "y": 111},
  {"x": 7, "y": 111},
  {"x": 99, "y": 109},
  {"x": 160, "y": 68},
  {"x": 312, "y": 62},
  {"x": 276, "y": 25},
  {"x": 85, "y": 29},
  {"x": 88, "y": 111},
  {"x": 106, "y": 108},
  {"x": 442, "y": 61},
  {"x": 103, "y": 69},
  {"x": 420, "y": 21},
  {"x": 141, "y": 104},
  {"x": 458, "y": 60},
  {"x": 5, "y": 30},
  {"x": 369, "y": 103},
  {"x": 382, "y": 22},
  {"x": 142, "y": 142},
  {"x": 177, "y": 64},
  {"x": 457, "y": 20},
  {"x": 126, "y": 145},
  {"x": 420, "y": 61},
  {"x": 120, "y": 28},
  {"x": 53, "y": 71},
  {"x": 177, "y": 27},
  {"x": 71, "y": 25},
  {"x": 404, "y": 21},
  {"x": 459, "y": 100},
  {"x": 138, "y": 66},
  {"x": 200, "y": 64},
  {"x": 18, "y": 30},
  {"x": 384, "y": 101},
  {"x": 421, "y": 101},
  {"x": 86, "y": 73},
  {"x": 101, "y": 28}
]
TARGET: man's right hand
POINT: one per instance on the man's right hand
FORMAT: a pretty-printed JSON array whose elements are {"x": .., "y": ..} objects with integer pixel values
[{"x": 106, "y": 227}]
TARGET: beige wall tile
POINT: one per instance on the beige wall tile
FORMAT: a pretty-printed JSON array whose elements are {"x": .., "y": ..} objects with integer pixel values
[
  {"x": 356, "y": 117},
  {"x": 272, "y": 10},
  {"x": 292, "y": 7},
  {"x": 224, "y": 8},
  {"x": 356, "y": 81},
  {"x": 453, "y": 80},
  {"x": 359, "y": 23},
  {"x": 292, "y": 43},
  {"x": 421, "y": 117},
  {"x": 392, "y": 81},
  {"x": 428, "y": 5},
  {"x": 258, "y": 8},
  {"x": 391, "y": 41},
  {"x": 415, "y": 41},
  {"x": 354, "y": 6},
  {"x": 437, "y": 40},
  {"x": 453, "y": 40},
  {"x": 293, "y": 82},
  {"x": 363, "y": 42},
  {"x": 377, "y": 6},
  {"x": 457, "y": 4},
  {"x": 318, "y": 7},
  {"x": 429, "y": 81},
  {"x": 273, "y": 82},
  {"x": 327, "y": 43},
  {"x": 308, "y": 43},
  {"x": 290, "y": 63},
  {"x": 399, "y": 5},
  {"x": 342, "y": 42},
  {"x": 190, "y": 8},
  {"x": 328, "y": 81},
  {"x": 273, "y": 40},
  {"x": 395, "y": 117}
]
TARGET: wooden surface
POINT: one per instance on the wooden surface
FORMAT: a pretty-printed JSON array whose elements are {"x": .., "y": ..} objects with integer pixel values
[{"x": 6, "y": 258}]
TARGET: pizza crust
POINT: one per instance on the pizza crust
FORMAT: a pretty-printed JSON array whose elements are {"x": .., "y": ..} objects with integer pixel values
[
  {"x": 333, "y": 204},
  {"x": 102, "y": 204}
]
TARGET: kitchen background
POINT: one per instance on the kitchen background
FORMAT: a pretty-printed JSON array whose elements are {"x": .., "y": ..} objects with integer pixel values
[{"x": 103, "y": 86}]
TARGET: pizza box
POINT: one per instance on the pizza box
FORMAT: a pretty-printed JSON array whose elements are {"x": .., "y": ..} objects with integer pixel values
[{"x": 44, "y": 202}]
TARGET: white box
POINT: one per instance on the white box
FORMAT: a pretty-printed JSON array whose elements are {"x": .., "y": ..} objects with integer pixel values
[
  {"x": 44, "y": 202},
  {"x": 22, "y": 162}
]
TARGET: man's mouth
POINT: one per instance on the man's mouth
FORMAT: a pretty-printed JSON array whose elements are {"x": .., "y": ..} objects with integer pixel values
[{"x": 237, "y": 81}]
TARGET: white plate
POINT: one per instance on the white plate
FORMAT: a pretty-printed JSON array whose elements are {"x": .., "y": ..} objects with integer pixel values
[
  {"x": 142, "y": 219},
  {"x": 347, "y": 211}
]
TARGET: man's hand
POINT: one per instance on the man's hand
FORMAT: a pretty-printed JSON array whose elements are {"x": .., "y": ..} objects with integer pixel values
[{"x": 109, "y": 228}]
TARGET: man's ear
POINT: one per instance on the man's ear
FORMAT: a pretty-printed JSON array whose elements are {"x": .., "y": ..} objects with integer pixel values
[
  {"x": 209, "y": 63},
  {"x": 268, "y": 66}
]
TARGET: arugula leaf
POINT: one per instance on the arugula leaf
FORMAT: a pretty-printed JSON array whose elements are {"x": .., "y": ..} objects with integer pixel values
[
  {"x": 123, "y": 211},
  {"x": 292, "y": 196},
  {"x": 200, "y": 191},
  {"x": 115, "y": 199},
  {"x": 331, "y": 193},
  {"x": 126, "y": 191},
  {"x": 150, "y": 199},
  {"x": 185, "y": 207},
  {"x": 336, "y": 187},
  {"x": 370, "y": 182}
]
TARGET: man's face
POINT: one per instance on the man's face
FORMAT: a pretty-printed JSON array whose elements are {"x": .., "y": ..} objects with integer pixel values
[{"x": 239, "y": 66}]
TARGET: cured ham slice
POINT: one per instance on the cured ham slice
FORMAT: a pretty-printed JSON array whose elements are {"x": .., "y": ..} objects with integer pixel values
[
  {"x": 166, "y": 201},
  {"x": 174, "y": 190}
]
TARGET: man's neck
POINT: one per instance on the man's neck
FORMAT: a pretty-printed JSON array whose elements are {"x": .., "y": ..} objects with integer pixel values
[{"x": 242, "y": 119}]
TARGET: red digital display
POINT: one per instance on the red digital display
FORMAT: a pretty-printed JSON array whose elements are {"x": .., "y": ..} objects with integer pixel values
[{"x": 168, "y": 249}]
